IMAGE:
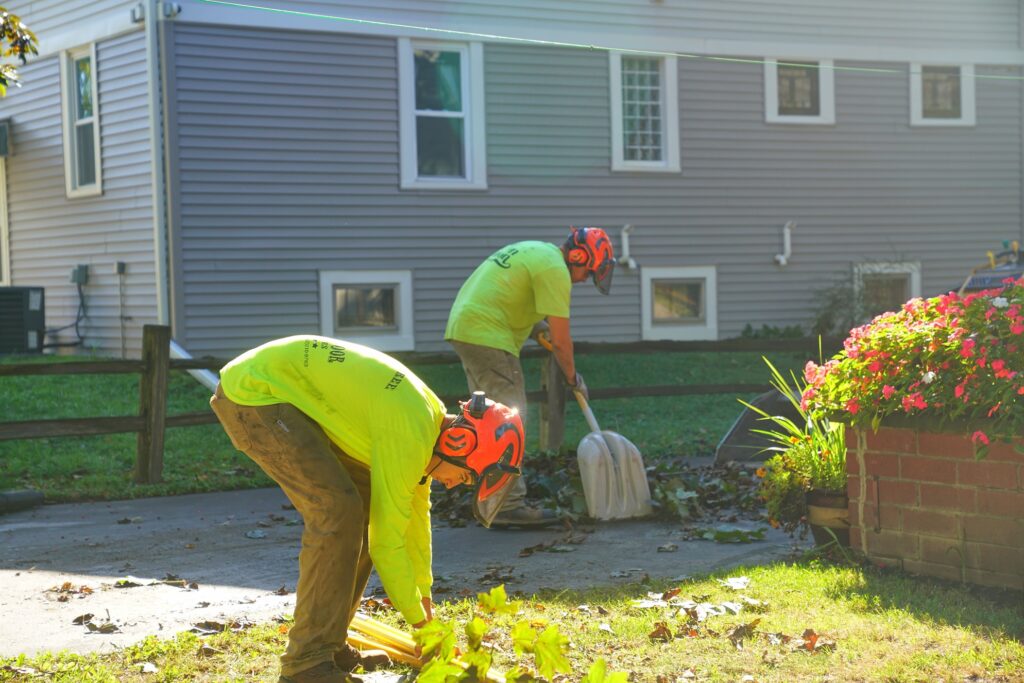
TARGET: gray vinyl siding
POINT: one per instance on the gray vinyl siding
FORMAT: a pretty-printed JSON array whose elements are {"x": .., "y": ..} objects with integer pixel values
[
  {"x": 48, "y": 18},
  {"x": 50, "y": 234},
  {"x": 289, "y": 166}
]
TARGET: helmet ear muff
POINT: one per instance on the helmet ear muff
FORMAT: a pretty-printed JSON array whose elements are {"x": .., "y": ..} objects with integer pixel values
[
  {"x": 578, "y": 257},
  {"x": 458, "y": 441}
]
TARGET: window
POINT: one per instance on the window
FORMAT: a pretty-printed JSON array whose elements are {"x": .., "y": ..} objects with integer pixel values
[
  {"x": 679, "y": 303},
  {"x": 368, "y": 307},
  {"x": 799, "y": 91},
  {"x": 82, "y": 170},
  {"x": 442, "y": 115},
  {"x": 884, "y": 287},
  {"x": 941, "y": 95},
  {"x": 645, "y": 113}
]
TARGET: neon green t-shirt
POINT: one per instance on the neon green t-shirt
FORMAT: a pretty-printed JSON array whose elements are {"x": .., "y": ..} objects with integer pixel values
[
  {"x": 515, "y": 288},
  {"x": 377, "y": 411}
]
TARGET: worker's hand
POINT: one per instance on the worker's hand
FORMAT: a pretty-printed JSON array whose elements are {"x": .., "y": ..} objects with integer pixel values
[
  {"x": 541, "y": 329},
  {"x": 428, "y": 607},
  {"x": 580, "y": 386}
]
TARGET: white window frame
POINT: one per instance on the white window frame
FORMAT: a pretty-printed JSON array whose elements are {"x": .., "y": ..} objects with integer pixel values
[
  {"x": 67, "y": 89},
  {"x": 404, "y": 339},
  {"x": 472, "y": 65},
  {"x": 826, "y": 93},
  {"x": 5, "y": 235},
  {"x": 683, "y": 331},
  {"x": 670, "y": 118},
  {"x": 967, "y": 97},
  {"x": 911, "y": 268}
]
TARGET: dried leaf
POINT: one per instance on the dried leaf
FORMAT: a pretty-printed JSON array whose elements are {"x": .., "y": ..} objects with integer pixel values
[
  {"x": 256, "y": 533},
  {"x": 736, "y": 583},
  {"x": 661, "y": 632},
  {"x": 82, "y": 619},
  {"x": 606, "y": 627},
  {"x": 668, "y": 548},
  {"x": 742, "y": 632}
]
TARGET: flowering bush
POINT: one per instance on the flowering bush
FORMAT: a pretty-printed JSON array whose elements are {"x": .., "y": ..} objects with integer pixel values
[{"x": 950, "y": 357}]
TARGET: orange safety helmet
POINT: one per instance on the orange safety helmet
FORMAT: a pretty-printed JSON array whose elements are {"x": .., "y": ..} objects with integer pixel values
[
  {"x": 487, "y": 439},
  {"x": 591, "y": 248}
]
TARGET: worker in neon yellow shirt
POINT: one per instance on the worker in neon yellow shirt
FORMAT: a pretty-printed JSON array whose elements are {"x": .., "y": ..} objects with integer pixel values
[
  {"x": 353, "y": 438},
  {"x": 520, "y": 291}
]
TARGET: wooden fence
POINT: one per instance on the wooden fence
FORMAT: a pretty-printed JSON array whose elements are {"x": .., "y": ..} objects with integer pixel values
[{"x": 152, "y": 421}]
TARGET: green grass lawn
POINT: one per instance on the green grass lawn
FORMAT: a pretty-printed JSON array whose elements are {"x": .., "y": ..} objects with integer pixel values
[
  {"x": 199, "y": 459},
  {"x": 872, "y": 625}
]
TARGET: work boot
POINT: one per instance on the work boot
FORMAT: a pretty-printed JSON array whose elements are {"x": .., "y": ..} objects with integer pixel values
[
  {"x": 524, "y": 517},
  {"x": 349, "y": 659},
  {"x": 324, "y": 672}
]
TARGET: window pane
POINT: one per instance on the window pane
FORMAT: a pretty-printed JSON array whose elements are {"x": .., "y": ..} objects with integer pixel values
[
  {"x": 798, "y": 89},
  {"x": 83, "y": 87},
  {"x": 884, "y": 292},
  {"x": 440, "y": 147},
  {"x": 641, "y": 109},
  {"x": 678, "y": 301},
  {"x": 438, "y": 80},
  {"x": 358, "y": 306},
  {"x": 940, "y": 92},
  {"x": 85, "y": 155}
]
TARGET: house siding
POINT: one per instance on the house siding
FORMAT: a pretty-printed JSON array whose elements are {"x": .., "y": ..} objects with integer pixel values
[
  {"x": 288, "y": 166},
  {"x": 51, "y": 234}
]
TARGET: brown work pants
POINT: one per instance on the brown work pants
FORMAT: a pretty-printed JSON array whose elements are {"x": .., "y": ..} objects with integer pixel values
[
  {"x": 332, "y": 493},
  {"x": 498, "y": 374}
]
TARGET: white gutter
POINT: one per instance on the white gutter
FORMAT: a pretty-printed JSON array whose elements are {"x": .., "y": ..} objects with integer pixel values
[
  {"x": 208, "y": 378},
  {"x": 152, "y": 11}
]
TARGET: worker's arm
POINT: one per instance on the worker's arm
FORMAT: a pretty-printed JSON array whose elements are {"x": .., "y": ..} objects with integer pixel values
[{"x": 561, "y": 347}]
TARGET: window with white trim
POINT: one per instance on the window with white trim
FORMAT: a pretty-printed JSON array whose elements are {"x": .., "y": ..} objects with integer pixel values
[
  {"x": 885, "y": 287},
  {"x": 645, "y": 112},
  {"x": 81, "y": 122},
  {"x": 441, "y": 118},
  {"x": 372, "y": 307},
  {"x": 942, "y": 95},
  {"x": 679, "y": 303},
  {"x": 799, "y": 91}
]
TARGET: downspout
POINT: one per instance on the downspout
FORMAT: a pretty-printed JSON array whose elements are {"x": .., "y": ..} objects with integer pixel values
[{"x": 153, "y": 9}]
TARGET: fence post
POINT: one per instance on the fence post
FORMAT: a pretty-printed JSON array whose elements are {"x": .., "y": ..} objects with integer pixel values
[
  {"x": 552, "y": 411},
  {"x": 156, "y": 351}
]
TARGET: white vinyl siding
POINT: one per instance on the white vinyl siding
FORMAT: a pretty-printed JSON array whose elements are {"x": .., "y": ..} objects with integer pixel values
[
  {"x": 679, "y": 303},
  {"x": 942, "y": 95},
  {"x": 799, "y": 91},
  {"x": 381, "y": 313},
  {"x": 443, "y": 143},
  {"x": 5, "y": 253},
  {"x": 645, "y": 112},
  {"x": 81, "y": 115}
]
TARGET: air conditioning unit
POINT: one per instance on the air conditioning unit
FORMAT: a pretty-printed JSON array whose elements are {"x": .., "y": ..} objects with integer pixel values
[{"x": 22, "y": 319}]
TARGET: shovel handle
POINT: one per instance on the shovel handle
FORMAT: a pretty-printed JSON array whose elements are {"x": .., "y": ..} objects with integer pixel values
[{"x": 588, "y": 414}]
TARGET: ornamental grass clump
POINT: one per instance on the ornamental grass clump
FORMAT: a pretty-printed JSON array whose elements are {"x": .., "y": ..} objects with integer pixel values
[{"x": 949, "y": 359}]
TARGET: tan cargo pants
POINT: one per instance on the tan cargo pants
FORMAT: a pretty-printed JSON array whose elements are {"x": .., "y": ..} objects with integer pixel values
[
  {"x": 498, "y": 374},
  {"x": 332, "y": 493}
]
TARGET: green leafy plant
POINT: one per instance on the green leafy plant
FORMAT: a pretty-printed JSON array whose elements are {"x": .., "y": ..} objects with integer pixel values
[
  {"x": 809, "y": 455},
  {"x": 950, "y": 358}
]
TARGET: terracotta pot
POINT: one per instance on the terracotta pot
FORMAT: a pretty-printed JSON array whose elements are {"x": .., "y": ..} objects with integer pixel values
[{"x": 828, "y": 510}]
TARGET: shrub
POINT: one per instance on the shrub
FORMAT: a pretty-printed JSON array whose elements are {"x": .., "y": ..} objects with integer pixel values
[{"x": 951, "y": 358}]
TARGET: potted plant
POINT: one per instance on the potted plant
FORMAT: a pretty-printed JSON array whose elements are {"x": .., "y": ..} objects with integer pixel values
[{"x": 804, "y": 483}]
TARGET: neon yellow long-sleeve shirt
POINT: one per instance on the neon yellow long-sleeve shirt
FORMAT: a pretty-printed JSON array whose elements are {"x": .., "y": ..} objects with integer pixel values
[{"x": 378, "y": 412}]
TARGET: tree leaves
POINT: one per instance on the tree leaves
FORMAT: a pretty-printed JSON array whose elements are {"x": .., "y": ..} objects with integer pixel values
[
  {"x": 599, "y": 674},
  {"x": 438, "y": 637},
  {"x": 497, "y": 602}
]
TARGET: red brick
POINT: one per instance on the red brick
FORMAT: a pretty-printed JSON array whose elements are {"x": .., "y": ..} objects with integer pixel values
[
  {"x": 995, "y": 558},
  {"x": 1001, "y": 503},
  {"x": 927, "y": 469},
  {"x": 1000, "y": 475},
  {"x": 941, "y": 551},
  {"x": 945, "y": 445},
  {"x": 892, "y": 544},
  {"x": 943, "y": 497},
  {"x": 930, "y": 523},
  {"x": 882, "y": 465},
  {"x": 851, "y": 439},
  {"x": 999, "y": 580},
  {"x": 1004, "y": 452},
  {"x": 890, "y": 517},
  {"x": 998, "y": 530},
  {"x": 897, "y": 492},
  {"x": 889, "y": 440},
  {"x": 855, "y": 538},
  {"x": 942, "y": 571},
  {"x": 853, "y": 488}
]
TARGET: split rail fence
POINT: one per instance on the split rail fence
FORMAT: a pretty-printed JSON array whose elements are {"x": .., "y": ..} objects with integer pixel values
[{"x": 155, "y": 365}]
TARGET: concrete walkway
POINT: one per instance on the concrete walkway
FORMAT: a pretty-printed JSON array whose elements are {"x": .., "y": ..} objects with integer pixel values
[{"x": 239, "y": 549}]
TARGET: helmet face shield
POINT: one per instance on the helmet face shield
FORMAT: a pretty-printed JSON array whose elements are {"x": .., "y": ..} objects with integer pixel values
[{"x": 603, "y": 276}]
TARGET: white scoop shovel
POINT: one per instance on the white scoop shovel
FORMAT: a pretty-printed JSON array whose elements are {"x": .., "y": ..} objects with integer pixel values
[{"x": 612, "y": 470}]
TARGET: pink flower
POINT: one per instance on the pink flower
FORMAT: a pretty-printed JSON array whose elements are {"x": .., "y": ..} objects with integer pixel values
[
  {"x": 853, "y": 406},
  {"x": 980, "y": 437},
  {"x": 888, "y": 390},
  {"x": 1017, "y": 328}
]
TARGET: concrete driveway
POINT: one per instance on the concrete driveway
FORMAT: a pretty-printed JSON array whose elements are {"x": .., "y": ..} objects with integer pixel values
[{"x": 233, "y": 556}]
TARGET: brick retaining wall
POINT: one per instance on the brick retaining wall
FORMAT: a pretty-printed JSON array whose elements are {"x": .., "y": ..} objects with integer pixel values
[{"x": 927, "y": 505}]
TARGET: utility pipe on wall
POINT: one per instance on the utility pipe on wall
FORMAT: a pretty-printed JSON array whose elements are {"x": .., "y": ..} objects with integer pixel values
[
  {"x": 625, "y": 260},
  {"x": 787, "y": 244}
]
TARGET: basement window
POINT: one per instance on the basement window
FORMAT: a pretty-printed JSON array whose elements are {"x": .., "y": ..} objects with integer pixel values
[
  {"x": 368, "y": 307},
  {"x": 679, "y": 303}
]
